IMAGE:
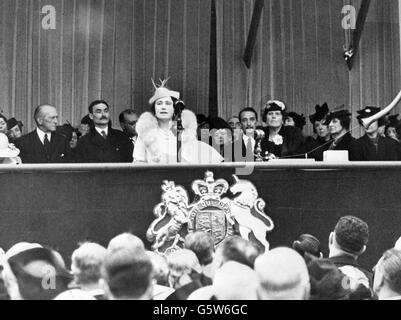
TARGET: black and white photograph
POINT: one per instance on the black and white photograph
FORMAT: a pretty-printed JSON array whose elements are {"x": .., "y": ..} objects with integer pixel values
[{"x": 218, "y": 152}]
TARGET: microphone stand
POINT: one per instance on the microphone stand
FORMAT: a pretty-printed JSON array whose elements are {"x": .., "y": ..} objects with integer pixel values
[{"x": 179, "y": 105}]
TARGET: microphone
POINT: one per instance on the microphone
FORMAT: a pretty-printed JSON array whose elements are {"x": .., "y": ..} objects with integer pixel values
[{"x": 179, "y": 106}]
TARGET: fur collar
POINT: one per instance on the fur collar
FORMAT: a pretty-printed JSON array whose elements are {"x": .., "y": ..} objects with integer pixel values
[{"x": 147, "y": 126}]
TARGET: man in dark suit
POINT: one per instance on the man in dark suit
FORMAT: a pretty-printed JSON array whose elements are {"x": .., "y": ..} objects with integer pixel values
[
  {"x": 44, "y": 145},
  {"x": 372, "y": 146},
  {"x": 346, "y": 244},
  {"x": 128, "y": 119},
  {"x": 103, "y": 144},
  {"x": 244, "y": 147}
]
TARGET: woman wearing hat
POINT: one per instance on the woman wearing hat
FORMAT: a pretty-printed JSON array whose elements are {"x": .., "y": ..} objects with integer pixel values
[
  {"x": 372, "y": 146},
  {"x": 14, "y": 129},
  {"x": 339, "y": 123},
  {"x": 316, "y": 146},
  {"x": 157, "y": 134},
  {"x": 280, "y": 141},
  {"x": 222, "y": 138},
  {"x": 8, "y": 152}
]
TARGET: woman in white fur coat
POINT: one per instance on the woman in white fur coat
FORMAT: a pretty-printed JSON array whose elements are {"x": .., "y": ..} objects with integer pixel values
[{"x": 157, "y": 135}]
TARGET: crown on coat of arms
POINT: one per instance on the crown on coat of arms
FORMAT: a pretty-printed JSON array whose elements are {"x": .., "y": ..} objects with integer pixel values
[{"x": 210, "y": 187}]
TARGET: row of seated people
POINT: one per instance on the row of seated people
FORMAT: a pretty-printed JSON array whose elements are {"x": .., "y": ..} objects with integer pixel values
[
  {"x": 235, "y": 269},
  {"x": 152, "y": 138}
]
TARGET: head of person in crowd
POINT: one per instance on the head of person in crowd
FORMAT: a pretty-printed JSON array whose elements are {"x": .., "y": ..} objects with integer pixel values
[
  {"x": 220, "y": 131},
  {"x": 235, "y": 249},
  {"x": 202, "y": 244},
  {"x": 248, "y": 118},
  {"x": 8, "y": 152},
  {"x": 339, "y": 123},
  {"x": 32, "y": 272},
  {"x": 350, "y": 237},
  {"x": 99, "y": 113},
  {"x": 392, "y": 124},
  {"x": 367, "y": 112},
  {"x": 309, "y": 244},
  {"x": 85, "y": 125},
  {"x": 235, "y": 126},
  {"x": 46, "y": 118},
  {"x": 160, "y": 268},
  {"x": 295, "y": 120},
  {"x": 274, "y": 114},
  {"x": 327, "y": 281},
  {"x": 3, "y": 124},
  {"x": 128, "y": 119},
  {"x": 283, "y": 275},
  {"x": 126, "y": 241},
  {"x": 318, "y": 120},
  {"x": 387, "y": 279},
  {"x": 203, "y": 121},
  {"x": 182, "y": 263},
  {"x": 75, "y": 135},
  {"x": 234, "y": 123},
  {"x": 127, "y": 275},
  {"x": 235, "y": 281},
  {"x": 14, "y": 128},
  {"x": 86, "y": 266},
  {"x": 70, "y": 133}
]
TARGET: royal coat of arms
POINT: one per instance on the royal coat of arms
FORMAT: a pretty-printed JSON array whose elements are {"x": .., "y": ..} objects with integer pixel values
[{"x": 209, "y": 212}]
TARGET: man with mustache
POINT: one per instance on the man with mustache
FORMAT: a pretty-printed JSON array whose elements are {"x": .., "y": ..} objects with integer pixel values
[
  {"x": 103, "y": 144},
  {"x": 244, "y": 146}
]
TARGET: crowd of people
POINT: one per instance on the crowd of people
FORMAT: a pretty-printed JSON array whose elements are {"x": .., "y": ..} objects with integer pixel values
[
  {"x": 152, "y": 136},
  {"x": 236, "y": 269}
]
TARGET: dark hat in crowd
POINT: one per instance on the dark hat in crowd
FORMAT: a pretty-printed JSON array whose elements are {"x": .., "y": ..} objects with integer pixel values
[
  {"x": 65, "y": 130},
  {"x": 299, "y": 119},
  {"x": 28, "y": 267},
  {"x": 307, "y": 243},
  {"x": 218, "y": 123},
  {"x": 327, "y": 281},
  {"x": 340, "y": 115},
  {"x": 367, "y": 112},
  {"x": 86, "y": 120},
  {"x": 393, "y": 121},
  {"x": 320, "y": 114},
  {"x": 201, "y": 119},
  {"x": 11, "y": 123}
]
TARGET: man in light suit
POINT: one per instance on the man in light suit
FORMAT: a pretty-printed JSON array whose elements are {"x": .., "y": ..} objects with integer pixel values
[{"x": 44, "y": 145}]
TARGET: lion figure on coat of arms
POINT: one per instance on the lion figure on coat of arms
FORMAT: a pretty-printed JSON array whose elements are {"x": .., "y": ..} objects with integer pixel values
[{"x": 171, "y": 215}]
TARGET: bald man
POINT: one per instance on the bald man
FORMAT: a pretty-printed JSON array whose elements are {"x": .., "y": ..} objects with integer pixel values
[
  {"x": 44, "y": 145},
  {"x": 283, "y": 275}
]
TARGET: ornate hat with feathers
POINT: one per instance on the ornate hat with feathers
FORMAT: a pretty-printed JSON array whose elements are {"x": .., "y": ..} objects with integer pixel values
[{"x": 161, "y": 91}]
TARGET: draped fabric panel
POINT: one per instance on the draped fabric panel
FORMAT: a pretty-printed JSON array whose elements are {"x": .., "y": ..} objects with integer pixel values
[
  {"x": 107, "y": 49},
  {"x": 298, "y": 57}
]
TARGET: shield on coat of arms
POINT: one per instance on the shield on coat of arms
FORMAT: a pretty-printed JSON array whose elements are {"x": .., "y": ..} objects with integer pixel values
[{"x": 210, "y": 216}]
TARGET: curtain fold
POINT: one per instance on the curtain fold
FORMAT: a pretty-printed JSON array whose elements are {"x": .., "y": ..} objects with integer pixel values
[{"x": 107, "y": 49}]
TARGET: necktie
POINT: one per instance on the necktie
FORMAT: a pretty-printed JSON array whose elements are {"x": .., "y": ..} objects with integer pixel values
[
  {"x": 46, "y": 144},
  {"x": 104, "y": 135},
  {"x": 249, "y": 150}
]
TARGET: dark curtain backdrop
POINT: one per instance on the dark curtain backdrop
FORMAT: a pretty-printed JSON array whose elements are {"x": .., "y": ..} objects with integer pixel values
[
  {"x": 298, "y": 57},
  {"x": 106, "y": 49}
]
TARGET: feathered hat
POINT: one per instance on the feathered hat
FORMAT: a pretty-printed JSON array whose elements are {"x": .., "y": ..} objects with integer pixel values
[
  {"x": 320, "y": 114},
  {"x": 161, "y": 91}
]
